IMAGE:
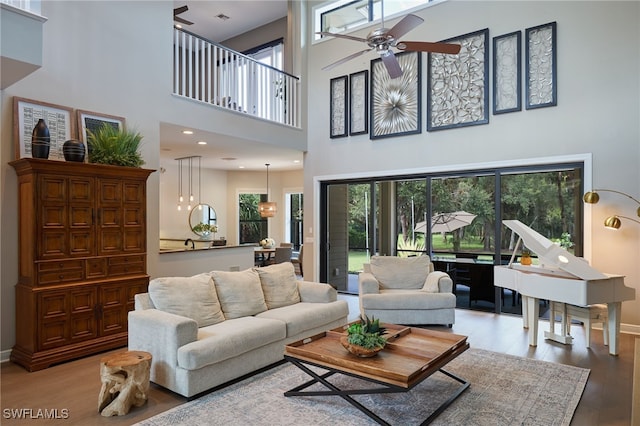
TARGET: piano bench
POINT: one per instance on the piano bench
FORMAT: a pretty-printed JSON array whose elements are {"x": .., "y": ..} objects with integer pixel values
[{"x": 589, "y": 315}]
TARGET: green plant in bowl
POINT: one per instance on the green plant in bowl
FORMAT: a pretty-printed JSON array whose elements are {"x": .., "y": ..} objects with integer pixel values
[
  {"x": 365, "y": 338},
  {"x": 115, "y": 146}
]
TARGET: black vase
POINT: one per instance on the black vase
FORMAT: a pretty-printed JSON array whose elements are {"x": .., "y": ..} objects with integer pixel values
[
  {"x": 40, "y": 140},
  {"x": 73, "y": 150}
]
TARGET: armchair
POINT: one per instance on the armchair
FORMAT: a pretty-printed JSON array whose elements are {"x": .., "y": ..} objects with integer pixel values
[{"x": 406, "y": 291}]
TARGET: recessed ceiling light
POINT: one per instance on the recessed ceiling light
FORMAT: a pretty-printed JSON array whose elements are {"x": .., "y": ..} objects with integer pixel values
[
  {"x": 202, "y": 142},
  {"x": 241, "y": 167},
  {"x": 296, "y": 161},
  {"x": 187, "y": 132}
]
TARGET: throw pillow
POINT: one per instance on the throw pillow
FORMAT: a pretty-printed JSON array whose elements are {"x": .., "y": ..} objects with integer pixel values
[
  {"x": 431, "y": 283},
  {"x": 279, "y": 285},
  {"x": 400, "y": 272},
  {"x": 240, "y": 293},
  {"x": 192, "y": 297}
]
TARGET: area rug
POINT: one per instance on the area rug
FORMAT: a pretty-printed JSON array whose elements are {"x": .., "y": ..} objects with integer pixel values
[{"x": 505, "y": 390}]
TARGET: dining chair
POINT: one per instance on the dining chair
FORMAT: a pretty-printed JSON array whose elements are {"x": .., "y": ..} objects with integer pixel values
[
  {"x": 283, "y": 254},
  {"x": 286, "y": 245},
  {"x": 298, "y": 260}
]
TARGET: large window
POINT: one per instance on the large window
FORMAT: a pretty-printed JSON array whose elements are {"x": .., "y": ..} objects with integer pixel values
[
  {"x": 345, "y": 15},
  {"x": 453, "y": 217},
  {"x": 253, "y": 228}
]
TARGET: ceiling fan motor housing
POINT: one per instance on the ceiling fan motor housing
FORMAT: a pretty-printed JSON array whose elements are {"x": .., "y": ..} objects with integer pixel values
[{"x": 380, "y": 39}]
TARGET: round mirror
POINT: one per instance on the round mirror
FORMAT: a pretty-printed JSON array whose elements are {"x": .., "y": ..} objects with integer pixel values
[{"x": 202, "y": 220}]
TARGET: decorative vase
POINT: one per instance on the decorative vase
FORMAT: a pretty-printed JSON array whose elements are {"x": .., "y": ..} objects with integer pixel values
[
  {"x": 359, "y": 350},
  {"x": 40, "y": 140},
  {"x": 73, "y": 150}
]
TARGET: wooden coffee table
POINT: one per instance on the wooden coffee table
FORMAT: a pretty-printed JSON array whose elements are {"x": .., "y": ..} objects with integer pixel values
[{"x": 410, "y": 356}]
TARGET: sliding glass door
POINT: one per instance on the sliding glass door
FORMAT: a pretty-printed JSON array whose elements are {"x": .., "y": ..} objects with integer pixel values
[{"x": 455, "y": 218}]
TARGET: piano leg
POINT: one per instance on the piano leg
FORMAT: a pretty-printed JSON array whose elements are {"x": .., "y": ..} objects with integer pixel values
[
  {"x": 614, "y": 311},
  {"x": 525, "y": 311},
  {"x": 533, "y": 311}
]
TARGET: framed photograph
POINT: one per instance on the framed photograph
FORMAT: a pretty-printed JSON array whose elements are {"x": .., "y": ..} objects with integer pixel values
[
  {"x": 507, "y": 74},
  {"x": 396, "y": 109},
  {"x": 58, "y": 118},
  {"x": 541, "y": 66},
  {"x": 359, "y": 103},
  {"x": 458, "y": 85},
  {"x": 94, "y": 120},
  {"x": 338, "y": 107}
]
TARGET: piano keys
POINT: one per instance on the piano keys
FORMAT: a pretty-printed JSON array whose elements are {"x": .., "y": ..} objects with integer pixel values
[{"x": 564, "y": 278}]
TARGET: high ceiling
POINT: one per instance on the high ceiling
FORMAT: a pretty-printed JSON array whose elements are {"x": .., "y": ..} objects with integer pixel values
[{"x": 222, "y": 152}]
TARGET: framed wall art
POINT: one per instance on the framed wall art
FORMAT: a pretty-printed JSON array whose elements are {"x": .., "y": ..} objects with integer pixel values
[
  {"x": 541, "y": 66},
  {"x": 359, "y": 103},
  {"x": 507, "y": 74},
  {"x": 92, "y": 121},
  {"x": 58, "y": 118},
  {"x": 338, "y": 107},
  {"x": 396, "y": 107},
  {"x": 457, "y": 87}
]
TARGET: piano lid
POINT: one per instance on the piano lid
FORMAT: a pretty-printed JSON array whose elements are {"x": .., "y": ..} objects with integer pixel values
[{"x": 553, "y": 255}]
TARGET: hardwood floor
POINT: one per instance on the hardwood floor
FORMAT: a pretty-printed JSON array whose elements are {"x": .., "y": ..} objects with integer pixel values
[{"x": 73, "y": 387}]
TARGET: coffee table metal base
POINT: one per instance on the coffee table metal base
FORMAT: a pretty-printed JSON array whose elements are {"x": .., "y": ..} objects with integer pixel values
[{"x": 345, "y": 393}]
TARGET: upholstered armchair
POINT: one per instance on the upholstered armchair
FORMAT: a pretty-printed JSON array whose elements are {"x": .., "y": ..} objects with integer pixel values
[{"x": 406, "y": 291}]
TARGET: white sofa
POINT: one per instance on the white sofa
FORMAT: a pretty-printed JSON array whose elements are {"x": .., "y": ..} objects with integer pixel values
[
  {"x": 406, "y": 291},
  {"x": 206, "y": 330}
]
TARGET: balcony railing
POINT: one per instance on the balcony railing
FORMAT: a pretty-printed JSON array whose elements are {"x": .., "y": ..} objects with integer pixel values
[{"x": 208, "y": 72}]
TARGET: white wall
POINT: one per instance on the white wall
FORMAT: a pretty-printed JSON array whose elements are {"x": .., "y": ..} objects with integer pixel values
[{"x": 598, "y": 113}]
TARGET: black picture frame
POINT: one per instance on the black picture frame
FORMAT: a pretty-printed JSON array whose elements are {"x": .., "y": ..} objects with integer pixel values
[
  {"x": 339, "y": 107},
  {"x": 541, "y": 66},
  {"x": 395, "y": 103},
  {"x": 359, "y": 103},
  {"x": 470, "y": 99},
  {"x": 507, "y": 73}
]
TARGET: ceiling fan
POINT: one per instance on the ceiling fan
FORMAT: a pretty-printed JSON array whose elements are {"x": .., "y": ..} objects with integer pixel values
[
  {"x": 382, "y": 40},
  {"x": 177, "y": 11}
]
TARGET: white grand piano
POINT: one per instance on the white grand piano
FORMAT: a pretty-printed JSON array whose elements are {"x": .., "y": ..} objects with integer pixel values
[{"x": 560, "y": 277}]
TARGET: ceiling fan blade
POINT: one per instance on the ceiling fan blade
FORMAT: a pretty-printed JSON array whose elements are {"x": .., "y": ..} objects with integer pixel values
[
  {"x": 348, "y": 37},
  {"x": 182, "y": 21},
  {"x": 345, "y": 59},
  {"x": 405, "y": 25},
  {"x": 181, "y": 9},
  {"x": 391, "y": 62},
  {"x": 425, "y": 46}
]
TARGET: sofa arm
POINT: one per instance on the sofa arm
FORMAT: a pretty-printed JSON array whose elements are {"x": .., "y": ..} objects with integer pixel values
[
  {"x": 161, "y": 334},
  {"x": 316, "y": 292},
  {"x": 367, "y": 283},
  {"x": 440, "y": 279}
]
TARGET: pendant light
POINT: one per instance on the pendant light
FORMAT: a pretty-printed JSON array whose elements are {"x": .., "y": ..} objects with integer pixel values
[
  {"x": 190, "y": 166},
  {"x": 267, "y": 208}
]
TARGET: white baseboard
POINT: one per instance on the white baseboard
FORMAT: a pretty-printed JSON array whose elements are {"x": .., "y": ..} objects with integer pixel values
[{"x": 4, "y": 355}]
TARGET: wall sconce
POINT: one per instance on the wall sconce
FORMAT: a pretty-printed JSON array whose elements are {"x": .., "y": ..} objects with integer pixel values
[
  {"x": 612, "y": 222},
  {"x": 267, "y": 208}
]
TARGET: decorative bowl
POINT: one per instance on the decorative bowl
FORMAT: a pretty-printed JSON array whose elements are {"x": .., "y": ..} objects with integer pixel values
[{"x": 359, "y": 350}]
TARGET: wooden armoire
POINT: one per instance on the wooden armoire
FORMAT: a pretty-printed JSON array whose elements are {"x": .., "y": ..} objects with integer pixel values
[{"x": 82, "y": 258}]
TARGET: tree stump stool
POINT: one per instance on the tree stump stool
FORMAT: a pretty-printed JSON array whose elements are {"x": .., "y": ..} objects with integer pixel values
[{"x": 125, "y": 382}]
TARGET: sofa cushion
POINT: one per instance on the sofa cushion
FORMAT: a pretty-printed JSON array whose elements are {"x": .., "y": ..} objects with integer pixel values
[
  {"x": 279, "y": 285},
  {"x": 240, "y": 293},
  {"x": 400, "y": 272},
  {"x": 192, "y": 297},
  {"x": 306, "y": 316},
  {"x": 229, "y": 339},
  {"x": 408, "y": 300}
]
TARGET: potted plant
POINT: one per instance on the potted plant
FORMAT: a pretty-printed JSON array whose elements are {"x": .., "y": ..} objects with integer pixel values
[
  {"x": 204, "y": 229},
  {"x": 115, "y": 146},
  {"x": 525, "y": 258},
  {"x": 364, "y": 338}
]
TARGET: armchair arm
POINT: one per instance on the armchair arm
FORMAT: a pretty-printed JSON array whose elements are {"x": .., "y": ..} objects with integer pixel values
[
  {"x": 368, "y": 284},
  {"x": 440, "y": 280},
  {"x": 313, "y": 292},
  {"x": 161, "y": 334}
]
